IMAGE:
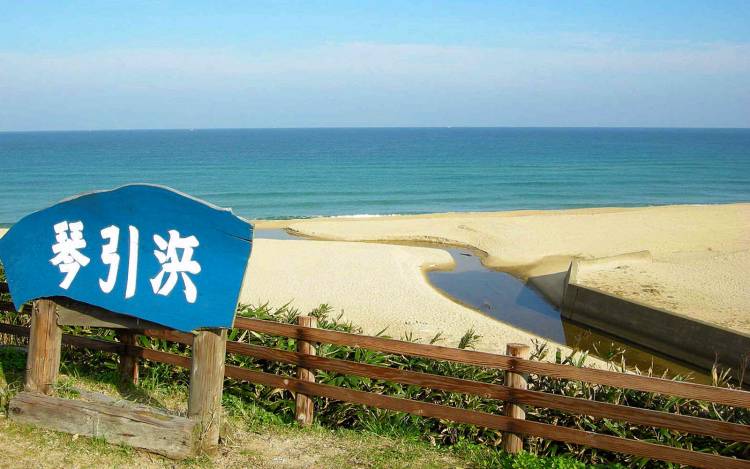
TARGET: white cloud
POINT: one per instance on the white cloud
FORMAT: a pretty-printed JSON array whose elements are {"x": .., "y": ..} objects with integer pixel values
[{"x": 354, "y": 77}]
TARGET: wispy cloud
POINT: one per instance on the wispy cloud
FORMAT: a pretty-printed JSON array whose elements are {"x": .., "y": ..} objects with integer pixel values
[{"x": 502, "y": 82}]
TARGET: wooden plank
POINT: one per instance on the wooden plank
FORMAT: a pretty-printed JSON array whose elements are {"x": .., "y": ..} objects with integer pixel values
[
  {"x": 92, "y": 343},
  {"x": 497, "y": 422},
  {"x": 148, "y": 429},
  {"x": 427, "y": 380},
  {"x": 634, "y": 415},
  {"x": 68, "y": 339},
  {"x": 76, "y": 313},
  {"x": 43, "y": 356},
  {"x": 731, "y": 397},
  {"x": 726, "y": 396},
  {"x": 72, "y": 340},
  {"x": 162, "y": 357},
  {"x": 652, "y": 418},
  {"x": 169, "y": 335},
  {"x": 21, "y": 331},
  {"x": 304, "y": 405},
  {"x": 207, "y": 385},
  {"x": 512, "y": 442}
]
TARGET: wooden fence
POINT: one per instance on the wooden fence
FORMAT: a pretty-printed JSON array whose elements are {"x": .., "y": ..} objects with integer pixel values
[{"x": 514, "y": 393}]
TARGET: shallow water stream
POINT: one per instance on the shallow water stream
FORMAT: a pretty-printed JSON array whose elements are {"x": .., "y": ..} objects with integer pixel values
[{"x": 497, "y": 294}]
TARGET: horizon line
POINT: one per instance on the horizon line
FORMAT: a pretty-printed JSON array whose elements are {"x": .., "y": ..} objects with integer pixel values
[{"x": 194, "y": 129}]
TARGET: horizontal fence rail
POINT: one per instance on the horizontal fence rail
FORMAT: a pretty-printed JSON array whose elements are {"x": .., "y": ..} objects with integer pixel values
[
  {"x": 507, "y": 394},
  {"x": 731, "y": 397}
]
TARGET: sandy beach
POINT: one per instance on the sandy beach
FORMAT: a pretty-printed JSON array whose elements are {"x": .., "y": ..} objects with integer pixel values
[
  {"x": 376, "y": 286},
  {"x": 697, "y": 262}
]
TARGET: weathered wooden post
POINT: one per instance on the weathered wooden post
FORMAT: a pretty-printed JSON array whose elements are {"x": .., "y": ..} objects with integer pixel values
[
  {"x": 512, "y": 442},
  {"x": 207, "y": 385},
  {"x": 43, "y": 358},
  {"x": 304, "y": 404},
  {"x": 128, "y": 367}
]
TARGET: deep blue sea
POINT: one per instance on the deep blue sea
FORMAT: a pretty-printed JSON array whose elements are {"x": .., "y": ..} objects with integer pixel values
[{"x": 279, "y": 173}]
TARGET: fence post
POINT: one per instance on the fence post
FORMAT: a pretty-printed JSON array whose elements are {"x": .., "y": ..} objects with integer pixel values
[
  {"x": 128, "y": 367},
  {"x": 207, "y": 386},
  {"x": 512, "y": 442},
  {"x": 305, "y": 407},
  {"x": 43, "y": 357}
]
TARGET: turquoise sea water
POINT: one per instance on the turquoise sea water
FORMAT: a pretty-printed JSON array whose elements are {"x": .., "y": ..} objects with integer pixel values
[{"x": 279, "y": 173}]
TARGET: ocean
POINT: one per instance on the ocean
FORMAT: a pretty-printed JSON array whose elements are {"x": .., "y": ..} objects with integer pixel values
[{"x": 283, "y": 173}]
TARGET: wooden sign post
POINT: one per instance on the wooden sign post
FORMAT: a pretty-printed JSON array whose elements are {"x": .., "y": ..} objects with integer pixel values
[
  {"x": 206, "y": 386},
  {"x": 128, "y": 367},
  {"x": 43, "y": 356},
  {"x": 304, "y": 406},
  {"x": 135, "y": 258}
]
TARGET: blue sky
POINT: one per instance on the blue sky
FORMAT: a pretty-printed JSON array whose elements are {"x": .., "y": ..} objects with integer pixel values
[{"x": 107, "y": 65}]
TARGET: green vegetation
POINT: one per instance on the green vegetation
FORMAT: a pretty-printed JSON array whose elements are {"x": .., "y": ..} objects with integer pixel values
[
  {"x": 252, "y": 436},
  {"x": 255, "y": 409},
  {"x": 443, "y": 433}
]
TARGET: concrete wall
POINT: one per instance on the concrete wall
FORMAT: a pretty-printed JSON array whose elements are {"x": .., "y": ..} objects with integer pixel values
[{"x": 680, "y": 337}]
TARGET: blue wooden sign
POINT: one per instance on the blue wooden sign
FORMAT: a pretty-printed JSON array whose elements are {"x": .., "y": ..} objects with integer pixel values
[{"x": 142, "y": 250}]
